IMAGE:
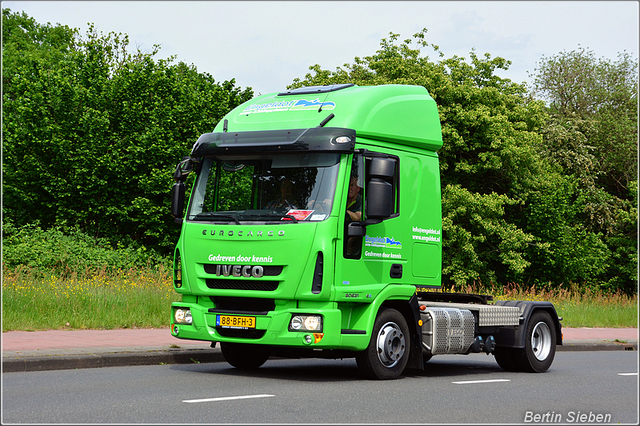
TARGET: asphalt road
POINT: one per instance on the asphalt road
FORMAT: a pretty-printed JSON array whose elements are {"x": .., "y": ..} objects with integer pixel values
[{"x": 453, "y": 389}]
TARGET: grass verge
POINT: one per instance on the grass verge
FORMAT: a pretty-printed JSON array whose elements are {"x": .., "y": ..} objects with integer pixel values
[
  {"x": 122, "y": 299},
  {"x": 141, "y": 298},
  {"x": 578, "y": 307}
]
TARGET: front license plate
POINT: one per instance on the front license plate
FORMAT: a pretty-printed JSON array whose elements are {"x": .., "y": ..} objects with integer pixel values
[{"x": 232, "y": 321}]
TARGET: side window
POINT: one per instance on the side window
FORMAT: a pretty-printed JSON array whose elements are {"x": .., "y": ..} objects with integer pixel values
[
  {"x": 355, "y": 204},
  {"x": 355, "y": 207},
  {"x": 367, "y": 175}
]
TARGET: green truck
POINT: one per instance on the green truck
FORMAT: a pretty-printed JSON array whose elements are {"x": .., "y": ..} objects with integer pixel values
[{"x": 313, "y": 228}]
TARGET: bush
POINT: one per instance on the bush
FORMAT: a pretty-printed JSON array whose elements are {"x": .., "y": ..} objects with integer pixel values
[
  {"x": 92, "y": 131},
  {"x": 67, "y": 251}
]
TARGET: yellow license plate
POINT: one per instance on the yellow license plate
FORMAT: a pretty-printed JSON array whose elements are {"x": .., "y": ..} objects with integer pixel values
[{"x": 232, "y": 321}]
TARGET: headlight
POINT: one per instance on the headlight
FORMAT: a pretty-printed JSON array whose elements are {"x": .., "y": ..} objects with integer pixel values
[
  {"x": 306, "y": 323},
  {"x": 296, "y": 323},
  {"x": 312, "y": 323},
  {"x": 183, "y": 316}
]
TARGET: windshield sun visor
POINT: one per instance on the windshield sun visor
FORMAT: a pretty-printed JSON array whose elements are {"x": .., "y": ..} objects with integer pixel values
[{"x": 323, "y": 139}]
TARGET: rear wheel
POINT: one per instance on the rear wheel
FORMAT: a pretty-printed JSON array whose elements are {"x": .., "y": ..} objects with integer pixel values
[
  {"x": 540, "y": 344},
  {"x": 505, "y": 358},
  {"x": 539, "y": 347},
  {"x": 243, "y": 356},
  {"x": 388, "y": 351}
]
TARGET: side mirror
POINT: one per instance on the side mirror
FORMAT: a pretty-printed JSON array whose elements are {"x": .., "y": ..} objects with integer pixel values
[
  {"x": 177, "y": 201},
  {"x": 379, "y": 203},
  {"x": 356, "y": 229},
  {"x": 178, "y": 191},
  {"x": 183, "y": 169}
]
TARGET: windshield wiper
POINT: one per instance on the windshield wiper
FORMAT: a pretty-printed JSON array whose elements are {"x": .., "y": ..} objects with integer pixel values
[
  {"x": 217, "y": 216},
  {"x": 288, "y": 216},
  {"x": 281, "y": 216}
]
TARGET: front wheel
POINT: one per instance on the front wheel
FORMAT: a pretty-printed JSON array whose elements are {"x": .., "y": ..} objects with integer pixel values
[
  {"x": 243, "y": 356},
  {"x": 388, "y": 351}
]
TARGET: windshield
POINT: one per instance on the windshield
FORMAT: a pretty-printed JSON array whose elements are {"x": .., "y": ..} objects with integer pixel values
[{"x": 263, "y": 188}]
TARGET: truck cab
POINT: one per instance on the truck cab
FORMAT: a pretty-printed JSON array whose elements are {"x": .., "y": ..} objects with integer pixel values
[{"x": 312, "y": 227}]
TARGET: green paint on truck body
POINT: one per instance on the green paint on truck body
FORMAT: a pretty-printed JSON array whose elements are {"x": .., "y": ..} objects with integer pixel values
[{"x": 239, "y": 255}]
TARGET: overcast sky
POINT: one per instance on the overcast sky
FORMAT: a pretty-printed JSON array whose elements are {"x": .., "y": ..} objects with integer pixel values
[{"x": 266, "y": 44}]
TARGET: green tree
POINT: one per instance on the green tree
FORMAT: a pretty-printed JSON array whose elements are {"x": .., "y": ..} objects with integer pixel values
[
  {"x": 489, "y": 155},
  {"x": 577, "y": 86},
  {"x": 92, "y": 132},
  {"x": 496, "y": 177},
  {"x": 591, "y": 134}
]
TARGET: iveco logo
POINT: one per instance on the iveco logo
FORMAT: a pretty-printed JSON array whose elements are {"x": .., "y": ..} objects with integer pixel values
[
  {"x": 239, "y": 271},
  {"x": 243, "y": 233}
]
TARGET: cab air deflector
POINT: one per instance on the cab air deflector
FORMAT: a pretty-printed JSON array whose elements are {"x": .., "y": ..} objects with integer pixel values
[{"x": 317, "y": 139}]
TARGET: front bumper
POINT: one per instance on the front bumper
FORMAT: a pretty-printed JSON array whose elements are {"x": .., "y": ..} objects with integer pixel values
[{"x": 271, "y": 329}]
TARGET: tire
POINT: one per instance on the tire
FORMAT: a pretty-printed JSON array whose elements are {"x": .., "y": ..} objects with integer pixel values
[
  {"x": 388, "y": 352},
  {"x": 540, "y": 344},
  {"x": 505, "y": 358},
  {"x": 243, "y": 356},
  {"x": 539, "y": 347}
]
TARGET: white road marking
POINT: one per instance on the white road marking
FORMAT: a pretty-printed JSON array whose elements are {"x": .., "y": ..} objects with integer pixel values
[
  {"x": 226, "y": 398},
  {"x": 469, "y": 382},
  {"x": 627, "y": 374}
]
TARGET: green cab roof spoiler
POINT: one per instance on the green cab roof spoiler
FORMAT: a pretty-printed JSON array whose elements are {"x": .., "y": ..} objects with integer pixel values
[{"x": 400, "y": 114}]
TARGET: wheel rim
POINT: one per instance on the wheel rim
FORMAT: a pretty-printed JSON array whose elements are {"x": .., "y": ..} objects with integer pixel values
[
  {"x": 390, "y": 344},
  {"x": 541, "y": 341}
]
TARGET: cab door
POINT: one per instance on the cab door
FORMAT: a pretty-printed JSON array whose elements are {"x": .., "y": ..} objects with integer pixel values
[{"x": 371, "y": 252}]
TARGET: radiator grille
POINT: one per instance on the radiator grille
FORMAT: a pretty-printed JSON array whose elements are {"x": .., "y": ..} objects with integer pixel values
[
  {"x": 268, "y": 270},
  {"x": 244, "y": 334},
  {"x": 243, "y": 304},
  {"x": 226, "y": 284}
]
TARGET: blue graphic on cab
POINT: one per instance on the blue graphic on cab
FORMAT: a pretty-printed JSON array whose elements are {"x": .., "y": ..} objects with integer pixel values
[
  {"x": 382, "y": 242},
  {"x": 297, "y": 105}
]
